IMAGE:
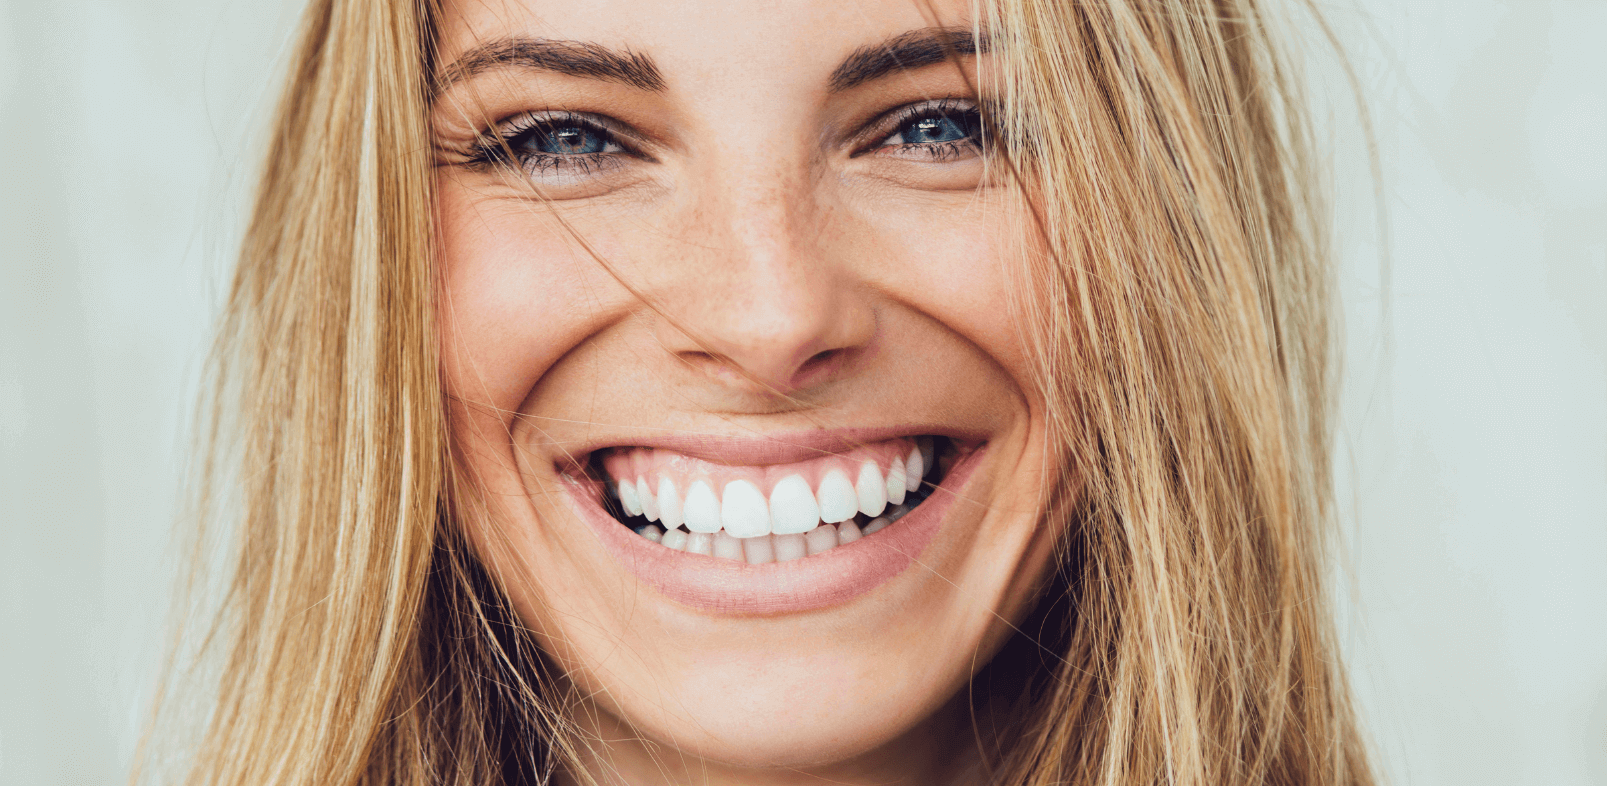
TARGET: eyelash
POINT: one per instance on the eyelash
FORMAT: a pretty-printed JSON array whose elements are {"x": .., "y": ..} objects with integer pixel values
[
  {"x": 495, "y": 146},
  {"x": 953, "y": 108}
]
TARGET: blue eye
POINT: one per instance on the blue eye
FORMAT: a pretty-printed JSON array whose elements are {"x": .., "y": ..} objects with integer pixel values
[
  {"x": 933, "y": 129},
  {"x": 941, "y": 127},
  {"x": 564, "y": 139}
]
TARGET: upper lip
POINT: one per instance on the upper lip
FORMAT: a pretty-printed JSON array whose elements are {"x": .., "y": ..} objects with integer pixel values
[{"x": 762, "y": 449}]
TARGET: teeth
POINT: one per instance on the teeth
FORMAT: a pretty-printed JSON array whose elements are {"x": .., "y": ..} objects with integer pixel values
[
  {"x": 700, "y": 543},
  {"x": 838, "y": 500},
  {"x": 647, "y": 500},
  {"x": 759, "y": 550},
  {"x": 669, "y": 503},
  {"x": 895, "y": 482},
  {"x": 790, "y": 547},
  {"x": 727, "y": 547},
  {"x": 871, "y": 490},
  {"x": 792, "y": 506},
  {"x": 821, "y": 538},
  {"x": 914, "y": 470},
  {"x": 743, "y": 511},
  {"x": 675, "y": 539},
  {"x": 628, "y": 500},
  {"x": 741, "y": 524},
  {"x": 702, "y": 510},
  {"x": 848, "y": 532}
]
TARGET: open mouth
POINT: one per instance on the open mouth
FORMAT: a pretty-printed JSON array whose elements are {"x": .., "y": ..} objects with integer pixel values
[{"x": 763, "y": 513}]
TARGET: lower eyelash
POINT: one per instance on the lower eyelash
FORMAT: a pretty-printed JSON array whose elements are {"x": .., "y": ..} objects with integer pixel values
[
  {"x": 943, "y": 151},
  {"x": 536, "y": 163}
]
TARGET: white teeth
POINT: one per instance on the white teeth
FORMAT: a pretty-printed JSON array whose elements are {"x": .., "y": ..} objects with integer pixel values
[
  {"x": 727, "y": 547},
  {"x": 647, "y": 500},
  {"x": 821, "y": 538},
  {"x": 871, "y": 490},
  {"x": 759, "y": 550},
  {"x": 792, "y": 506},
  {"x": 838, "y": 500},
  {"x": 914, "y": 470},
  {"x": 739, "y": 523},
  {"x": 790, "y": 547},
  {"x": 675, "y": 539},
  {"x": 628, "y": 500},
  {"x": 743, "y": 511},
  {"x": 895, "y": 482},
  {"x": 848, "y": 532},
  {"x": 700, "y": 543},
  {"x": 702, "y": 509},
  {"x": 669, "y": 503}
]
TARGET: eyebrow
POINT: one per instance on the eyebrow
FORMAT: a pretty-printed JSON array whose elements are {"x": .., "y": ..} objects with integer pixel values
[
  {"x": 905, "y": 51},
  {"x": 572, "y": 58}
]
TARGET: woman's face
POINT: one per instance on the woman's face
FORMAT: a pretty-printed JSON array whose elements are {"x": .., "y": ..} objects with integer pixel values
[{"x": 799, "y": 359}]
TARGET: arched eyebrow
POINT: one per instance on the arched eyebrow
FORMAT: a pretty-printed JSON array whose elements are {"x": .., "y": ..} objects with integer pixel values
[
  {"x": 572, "y": 58},
  {"x": 905, "y": 51}
]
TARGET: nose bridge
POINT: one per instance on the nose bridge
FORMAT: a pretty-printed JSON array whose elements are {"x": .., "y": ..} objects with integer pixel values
[{"x": 772, "y": 307}]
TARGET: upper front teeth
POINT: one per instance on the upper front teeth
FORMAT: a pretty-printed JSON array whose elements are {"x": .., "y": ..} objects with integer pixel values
[
  {"x": 741, "y": 509},
  {"x": 793, "y": 507}
]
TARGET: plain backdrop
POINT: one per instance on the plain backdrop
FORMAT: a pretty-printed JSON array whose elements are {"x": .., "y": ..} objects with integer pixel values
[{"x": 1473, "y": 450}]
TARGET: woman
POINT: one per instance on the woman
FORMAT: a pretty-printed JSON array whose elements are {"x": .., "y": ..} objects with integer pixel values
[{"x": 885, "y": 392}]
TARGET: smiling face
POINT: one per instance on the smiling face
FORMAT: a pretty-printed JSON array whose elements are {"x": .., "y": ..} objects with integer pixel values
[{"x": 767, "y": 483}]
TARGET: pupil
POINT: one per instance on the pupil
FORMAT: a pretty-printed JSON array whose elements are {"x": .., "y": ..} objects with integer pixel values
[
  {"x": 568, "y": 141},
  {"x": 936, "y": 129}
]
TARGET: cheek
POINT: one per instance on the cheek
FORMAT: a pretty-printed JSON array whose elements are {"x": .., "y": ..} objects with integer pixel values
[
  {"x": 517, "y": 292},
  {"x": 955, "y": 260}
]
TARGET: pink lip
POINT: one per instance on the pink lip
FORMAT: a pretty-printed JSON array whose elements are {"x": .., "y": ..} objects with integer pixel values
[
  {"x": 781, "y": 448},
  {"x": 726, "y": 587}
]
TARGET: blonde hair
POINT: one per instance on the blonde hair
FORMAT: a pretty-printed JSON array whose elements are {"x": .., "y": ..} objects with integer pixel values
[{"x": 1179, "y": 323}]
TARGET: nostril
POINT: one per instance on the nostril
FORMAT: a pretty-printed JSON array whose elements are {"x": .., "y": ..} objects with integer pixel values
[
  {"x": 819, "y": 358},
  {"x": 818, "y": 365}
]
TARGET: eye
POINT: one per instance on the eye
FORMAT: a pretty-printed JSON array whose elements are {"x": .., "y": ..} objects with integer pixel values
[
  {"x": 938, "y": 128},
  {"x": 553, "y": 142},
  {"x": 945, "y": 130},
  {"x": 566, "y": 138}
]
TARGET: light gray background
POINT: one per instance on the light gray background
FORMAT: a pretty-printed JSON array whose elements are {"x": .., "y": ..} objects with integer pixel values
[{"x": 1474, "y": 455}]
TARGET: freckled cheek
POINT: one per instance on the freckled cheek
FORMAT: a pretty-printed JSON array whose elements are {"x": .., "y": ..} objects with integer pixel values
[
  {"x": 958, "y": 266},
  {"x": 517, "y": 294}
]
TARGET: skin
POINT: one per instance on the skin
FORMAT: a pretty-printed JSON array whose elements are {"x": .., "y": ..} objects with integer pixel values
[{"x": 775, "y": 268}]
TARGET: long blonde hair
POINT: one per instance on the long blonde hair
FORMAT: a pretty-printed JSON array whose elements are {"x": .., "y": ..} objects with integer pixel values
[{"x": 1179, "y": 323}]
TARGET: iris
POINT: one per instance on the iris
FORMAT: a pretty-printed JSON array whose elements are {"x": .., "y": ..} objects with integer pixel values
[
  {"x": 563, "y": 140},
  {"x": 938, "y": 128}
]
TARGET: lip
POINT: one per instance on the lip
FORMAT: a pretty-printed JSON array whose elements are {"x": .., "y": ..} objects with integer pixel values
[
  {"x": 780, "y": 448},
  {"x": 834, "y": 577}
]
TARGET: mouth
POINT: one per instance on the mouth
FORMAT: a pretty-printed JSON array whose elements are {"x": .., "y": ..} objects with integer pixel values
[{"x": 769, "y": 525}]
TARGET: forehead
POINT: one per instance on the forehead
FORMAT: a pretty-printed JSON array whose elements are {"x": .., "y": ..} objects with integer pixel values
[{"x": 707, "y": 42}]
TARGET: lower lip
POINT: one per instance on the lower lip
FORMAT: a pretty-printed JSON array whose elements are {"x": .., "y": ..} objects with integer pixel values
[{"x": 830, "y": 578}]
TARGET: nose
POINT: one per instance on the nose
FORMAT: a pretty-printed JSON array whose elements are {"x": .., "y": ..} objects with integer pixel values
[{"x": 767, "y": 301}]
